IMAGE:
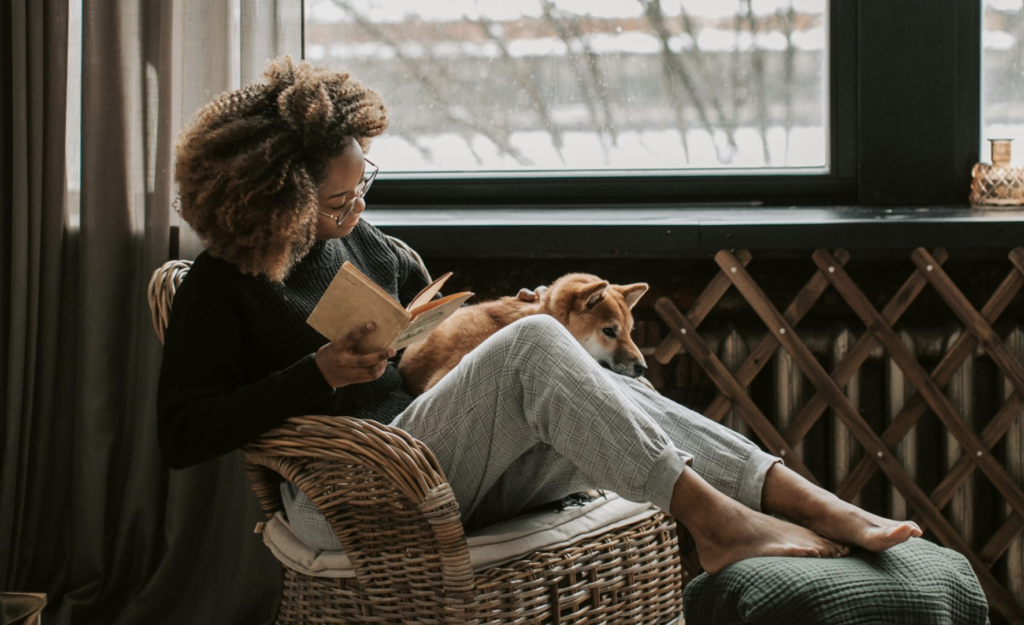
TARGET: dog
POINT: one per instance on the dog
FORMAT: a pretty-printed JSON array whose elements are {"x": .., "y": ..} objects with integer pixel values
[{"x": 598, "y": 314}]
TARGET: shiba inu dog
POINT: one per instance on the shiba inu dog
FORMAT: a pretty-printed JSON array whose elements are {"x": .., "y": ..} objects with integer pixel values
[{"x": 597, "y": 313}]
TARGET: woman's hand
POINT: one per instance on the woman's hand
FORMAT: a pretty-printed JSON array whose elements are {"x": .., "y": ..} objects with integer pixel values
[
  {"x": 526, "y": 295},
  {"x": 341, "y": 366}
]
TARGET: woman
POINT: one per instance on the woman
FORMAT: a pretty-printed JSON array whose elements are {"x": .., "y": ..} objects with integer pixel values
[{"x": 272, "y": 177}]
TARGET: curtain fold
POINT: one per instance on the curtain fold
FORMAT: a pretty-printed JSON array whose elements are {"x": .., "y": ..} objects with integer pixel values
[
  {"x": 33, "y": 239},
  {"x": 88, "y": 512}
]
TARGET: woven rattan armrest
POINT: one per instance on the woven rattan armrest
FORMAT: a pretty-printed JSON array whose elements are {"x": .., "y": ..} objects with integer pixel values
[{"x": 381, "y": 490}]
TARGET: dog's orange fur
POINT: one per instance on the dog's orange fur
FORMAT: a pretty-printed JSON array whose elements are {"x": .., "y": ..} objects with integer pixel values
[{"x": 598, "y": 314}]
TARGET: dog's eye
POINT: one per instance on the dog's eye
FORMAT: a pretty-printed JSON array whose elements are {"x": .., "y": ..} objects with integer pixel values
[{"x": 610, "y": 331}]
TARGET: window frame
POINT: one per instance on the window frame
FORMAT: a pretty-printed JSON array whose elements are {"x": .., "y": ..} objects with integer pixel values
[{"x": 887, "y": 62}]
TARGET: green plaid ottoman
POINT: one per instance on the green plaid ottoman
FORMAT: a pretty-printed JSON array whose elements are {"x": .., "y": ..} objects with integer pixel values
[{"x": 915, "y": 583}]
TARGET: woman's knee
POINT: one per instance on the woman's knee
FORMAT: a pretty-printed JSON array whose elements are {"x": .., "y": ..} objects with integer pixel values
[
  {"x": 540, "y": 327},
  {"x": 533, "y": 341},
  {"x": 540, "y": 338},
  {"x": 524, "y": 339}
]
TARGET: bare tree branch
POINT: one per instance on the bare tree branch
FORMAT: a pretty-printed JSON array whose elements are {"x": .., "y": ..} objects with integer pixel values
[
  {"x": 435, "y": 91},
  {"x": 788, "y": 20},
  {"x": 725, "y": 122},
  {"x": 674, "y": 68},
  {"x": 525, "y": 80},
  {"x": 736, "y": 63},
  {"x": 598, "y": 81},
  {"x": 757, "y": 60},
  {"x": 568, "y": 37}
]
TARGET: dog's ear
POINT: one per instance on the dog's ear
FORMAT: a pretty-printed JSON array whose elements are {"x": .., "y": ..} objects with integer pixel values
[
  {"x": 632, "y": 292},
  {"x": 592, "y": 293}
]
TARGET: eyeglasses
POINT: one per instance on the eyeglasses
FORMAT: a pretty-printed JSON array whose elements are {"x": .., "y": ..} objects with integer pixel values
[{"x": 369, "y": 175}]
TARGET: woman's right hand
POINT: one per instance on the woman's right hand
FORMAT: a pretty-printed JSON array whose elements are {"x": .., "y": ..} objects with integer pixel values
[{"x": 341, "y": 366}]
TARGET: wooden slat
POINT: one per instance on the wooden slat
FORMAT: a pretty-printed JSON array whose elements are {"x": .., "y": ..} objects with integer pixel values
[
  {"x": 993, "y": 432},
  {"x": 762, "y": 353},
  {"x": 731, "y": 387},
  {"x": 889, "y": 464},
  {"x": 975, "y": 322},
  {"x": 705, "y": 302},
  {"x": 939, "y": 403},
  {"x": 849, "y": 365},
  {"x": 695, "y": 345},
  {"x": 942, "y": 374},
  {"x": 994, "y": 548},
  {"x": 962, "y": 468},
  {"x": 758, "y": 357},
  {"x": 1017, "y": 258}
]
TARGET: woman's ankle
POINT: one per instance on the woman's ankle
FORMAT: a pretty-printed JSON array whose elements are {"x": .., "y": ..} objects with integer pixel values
[
  {"x": 789, "y": 495},
  {"x": 701, "y": 508}
]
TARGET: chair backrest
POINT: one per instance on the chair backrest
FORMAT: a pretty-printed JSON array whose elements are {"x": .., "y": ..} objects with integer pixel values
[
  {"x": 168, "y": 276},
  {"x": 162, "y": 286},
  {"x": 403, "y": 246}
]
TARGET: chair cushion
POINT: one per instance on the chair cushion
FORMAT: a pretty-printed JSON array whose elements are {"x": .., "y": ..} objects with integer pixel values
[
  {"x": 540, "y": 530},
  {"x": 915, "y": 583}
]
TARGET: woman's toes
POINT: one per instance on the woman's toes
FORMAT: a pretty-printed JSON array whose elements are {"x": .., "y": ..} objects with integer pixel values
[
  {"x": 838, "y": 550},
  {"x": 832, "y": 548},
  {"x": 902, "y": 532},
  {"x": 827, "y": 550}
]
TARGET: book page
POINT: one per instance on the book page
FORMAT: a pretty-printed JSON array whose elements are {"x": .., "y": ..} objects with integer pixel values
[
  {"x": 429, "y": 318},
  {"x": 351, "y": 301},
  {"x": 428, "y": 292}
]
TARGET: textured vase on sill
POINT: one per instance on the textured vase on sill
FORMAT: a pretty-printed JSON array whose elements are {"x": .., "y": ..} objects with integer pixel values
[{"x": 998, "y": 184}]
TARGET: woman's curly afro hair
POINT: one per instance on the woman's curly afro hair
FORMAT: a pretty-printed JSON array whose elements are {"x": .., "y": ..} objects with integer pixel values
[{"x": 249, "y": 166}]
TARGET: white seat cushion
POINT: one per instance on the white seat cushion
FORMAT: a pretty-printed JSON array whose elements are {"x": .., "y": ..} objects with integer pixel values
[{"x": 543, "y": 530}]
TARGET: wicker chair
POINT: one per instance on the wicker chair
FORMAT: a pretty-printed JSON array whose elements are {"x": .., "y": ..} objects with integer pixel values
[{"x": 395, "y": 515}]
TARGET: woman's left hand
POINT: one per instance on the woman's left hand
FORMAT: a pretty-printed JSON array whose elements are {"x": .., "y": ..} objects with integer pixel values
[{"x": 526, "y": 295}]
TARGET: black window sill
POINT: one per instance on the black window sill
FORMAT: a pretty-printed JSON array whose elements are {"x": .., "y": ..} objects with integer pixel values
[{"x": 694, "y": 232}]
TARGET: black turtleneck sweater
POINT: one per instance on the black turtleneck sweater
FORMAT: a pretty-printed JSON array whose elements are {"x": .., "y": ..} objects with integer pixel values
[{"x": 239, "y": 356}]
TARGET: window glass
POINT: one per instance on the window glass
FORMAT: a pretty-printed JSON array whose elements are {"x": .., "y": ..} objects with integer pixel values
[
  {"x": 587, "y": 85},
  {"x": 1002, "y": 82}
]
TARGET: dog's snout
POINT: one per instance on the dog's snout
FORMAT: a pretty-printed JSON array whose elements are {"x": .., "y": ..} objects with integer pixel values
[{"x": 639, "y": 370}]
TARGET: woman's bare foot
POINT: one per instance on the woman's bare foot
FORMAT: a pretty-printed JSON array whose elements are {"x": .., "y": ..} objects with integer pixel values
[
  {"x": 726, "y": 531},
  {"x": 791, "y": 496},
  {"x": 745, "y": 533},
  {"x": 846, "y": 523}
]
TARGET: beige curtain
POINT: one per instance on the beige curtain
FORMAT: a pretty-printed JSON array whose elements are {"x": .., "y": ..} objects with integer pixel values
[{"x": 98, "y": 90}]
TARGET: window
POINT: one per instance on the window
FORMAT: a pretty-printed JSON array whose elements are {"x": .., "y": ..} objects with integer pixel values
[
  {"x": 888, "y": 93},
  {"x": 581, "y": 87},
  {"x": 1002, "y": 71}
]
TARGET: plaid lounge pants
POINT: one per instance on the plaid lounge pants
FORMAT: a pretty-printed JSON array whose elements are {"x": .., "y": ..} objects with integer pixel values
[{"x": 529, "y": 417}]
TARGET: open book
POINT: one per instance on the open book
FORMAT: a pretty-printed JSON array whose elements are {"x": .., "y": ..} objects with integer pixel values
[{"x": 352, "y": 300}]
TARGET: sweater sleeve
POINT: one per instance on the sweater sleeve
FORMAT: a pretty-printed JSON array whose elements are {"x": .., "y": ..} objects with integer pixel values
[{"x": 205, "y": 408}]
